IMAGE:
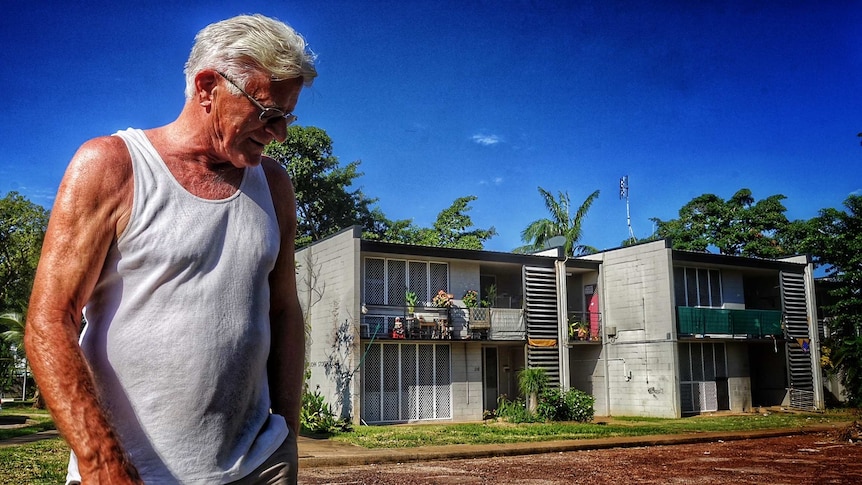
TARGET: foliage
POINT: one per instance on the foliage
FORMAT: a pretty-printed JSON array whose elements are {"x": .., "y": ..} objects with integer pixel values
[
  {"x": 490, "y": 296},
  {"x": 514, "y": 411},
  {"x": 11, "y": 347},
  {"x": 442, "y": 299},
  {"x": 572, "y": 405},
  {"x": 560, "y": 223},
  {"x": 470, "y": 299},
  {"x": 22, "y": 229},
  {"x": 578, "y": 328},
  {"x": 411, "y": 299},
  {"x": 532, "y": 382},
  {"x": 452, "y": 229},
  {"x": 836, "y": 243},
  {"x": 316, "y": 415},
  {"x": 739, "y": 226},
  {"x": 324, "y": 202}
]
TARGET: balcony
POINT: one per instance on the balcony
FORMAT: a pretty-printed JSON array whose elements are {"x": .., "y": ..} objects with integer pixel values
[
  {"x": 432, "y": 323},
  {"x": 719, "y": 322},
  {"x": 585, "y": 327}
]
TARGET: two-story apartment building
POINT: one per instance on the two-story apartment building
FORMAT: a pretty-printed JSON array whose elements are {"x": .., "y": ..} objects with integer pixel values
[{"x": 646, "y": 330}]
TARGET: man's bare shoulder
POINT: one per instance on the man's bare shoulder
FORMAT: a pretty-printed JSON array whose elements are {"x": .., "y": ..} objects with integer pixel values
[
  {"x": 103, "y": 161},
  {"x": 99, "y": 183},
  {"x": 280, "y": 184}
]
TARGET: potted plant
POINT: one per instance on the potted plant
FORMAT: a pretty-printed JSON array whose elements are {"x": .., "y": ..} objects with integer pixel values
[
  {"x": 470, "y": 299},
  {"x": 578, "y": 328},
  {"x": 442, "y": 299},
  {"x": 412, "y": 300},
  {"x": 490, "y": 296}
]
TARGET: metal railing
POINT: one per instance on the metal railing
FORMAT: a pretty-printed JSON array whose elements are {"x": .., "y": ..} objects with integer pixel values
[
  {"x": 430, "y": 323},
  {"x": 585, "y": 327},
  {"x": 720, "y": 321}
]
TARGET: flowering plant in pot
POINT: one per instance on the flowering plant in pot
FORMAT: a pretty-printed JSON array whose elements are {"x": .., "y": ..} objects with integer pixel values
[
  {"x": 470, "y": 299},
  {"x": 442, "y": 299}
]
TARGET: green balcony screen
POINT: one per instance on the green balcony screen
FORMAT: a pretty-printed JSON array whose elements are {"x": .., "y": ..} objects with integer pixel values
[{"x": 717, "y": 321}]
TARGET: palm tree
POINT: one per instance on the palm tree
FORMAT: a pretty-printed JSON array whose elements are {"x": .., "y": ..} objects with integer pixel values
[
  {"x": 14, "y": 335},
  {"x": 560, "y": 223}
]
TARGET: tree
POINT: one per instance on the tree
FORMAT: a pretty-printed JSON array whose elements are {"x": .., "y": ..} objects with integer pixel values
[
  {"x": 560, "y": 223},
  {"x": 532, "y": 381},
  {"x": 452, "y": 229},
  {"x": 12, "y": 336},
  {"x": 836, "y": 243},
  {"x": 738, "y": 226},
  {"x": 324, "y": 203},
  {"x": 22, "y": 229}
]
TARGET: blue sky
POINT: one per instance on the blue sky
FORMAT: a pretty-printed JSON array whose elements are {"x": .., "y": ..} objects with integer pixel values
[{"x": 488, "y": 98}]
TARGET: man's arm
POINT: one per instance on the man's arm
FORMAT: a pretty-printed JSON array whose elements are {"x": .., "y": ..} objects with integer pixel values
[
  {"x": 286, "y": 364},
  {"x": 90, "y": 210}
]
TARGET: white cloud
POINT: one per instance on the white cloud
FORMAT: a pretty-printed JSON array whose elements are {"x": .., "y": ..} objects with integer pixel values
[{"x": 486, "y": 139}]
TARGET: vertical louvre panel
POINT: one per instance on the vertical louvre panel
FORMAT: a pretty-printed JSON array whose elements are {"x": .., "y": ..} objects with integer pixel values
[
  {"x": 371, "y": 379},
  {"x": 691, "y": 286},
  {"x": 391, "y": 386},
  {"x": 708, "y": 362},
  {"x": 419, "y": 279},
  {"x": 697, "y": 362},
  {"x": 408, "y": 383},
  {"x": 396, "y": 281},
  {"x": 443, "y": 377},
  {"x": 375, "y": 281},
  {"x": 439, "y": 279},
  {"x": 700, "y": 367},
  {"x": 426, "y": 382},
  {"x": 715, "y": 296},
  {"x": 679, "y": 286},
  {"x": 795, "y": 310},
  {"x": 540, "y": 301}
]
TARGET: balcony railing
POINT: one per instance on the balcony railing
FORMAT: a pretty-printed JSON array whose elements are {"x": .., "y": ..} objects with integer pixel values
[
  {"x": 585, "y": 327},
  {"x": 429, "y": 323},
  {"x": 724, "y": 322}
]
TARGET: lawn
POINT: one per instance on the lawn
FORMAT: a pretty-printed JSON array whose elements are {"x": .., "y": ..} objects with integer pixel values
[
  {"x": 45, "y": 461},
  {"x": 406, "y": 436}
]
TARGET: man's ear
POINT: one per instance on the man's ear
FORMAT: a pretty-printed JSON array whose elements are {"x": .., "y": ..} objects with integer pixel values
[{"x": 205, "y": 82}]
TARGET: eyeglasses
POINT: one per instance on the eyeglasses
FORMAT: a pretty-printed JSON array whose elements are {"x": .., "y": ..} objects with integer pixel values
[{"x": 267, "y": 115}]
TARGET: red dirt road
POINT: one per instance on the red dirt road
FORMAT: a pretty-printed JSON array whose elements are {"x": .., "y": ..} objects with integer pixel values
[{"x": 793, "y": 460}]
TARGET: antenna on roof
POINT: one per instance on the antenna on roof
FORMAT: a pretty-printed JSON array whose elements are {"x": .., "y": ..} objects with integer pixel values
[{"x": 624, "y": 194}]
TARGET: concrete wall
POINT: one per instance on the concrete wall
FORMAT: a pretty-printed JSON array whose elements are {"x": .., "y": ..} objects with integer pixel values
[
  {"x": 467, "y": 404},
  {"x": 328, "y": 282},
  {"x": 641, "y": 360}
]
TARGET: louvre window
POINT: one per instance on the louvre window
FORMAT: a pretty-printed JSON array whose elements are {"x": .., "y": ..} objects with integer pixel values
[
  {"x": 387, "y": 280},
  {"x": 698, "y": 287}
]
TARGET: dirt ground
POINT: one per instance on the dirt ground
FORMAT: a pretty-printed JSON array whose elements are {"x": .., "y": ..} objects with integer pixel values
[{"x": 834, "y": 458}]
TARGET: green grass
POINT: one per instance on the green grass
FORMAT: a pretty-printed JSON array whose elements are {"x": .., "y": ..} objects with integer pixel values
[
  {"x": 474, "y": 433},
  {"x": 45, "y": 461},
  {"x": 37, "y": 419},
  {"x": 34, "y": 463}
]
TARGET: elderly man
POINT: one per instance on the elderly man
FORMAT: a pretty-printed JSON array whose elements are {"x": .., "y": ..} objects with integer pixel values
[{"x": 177, "y": 244}]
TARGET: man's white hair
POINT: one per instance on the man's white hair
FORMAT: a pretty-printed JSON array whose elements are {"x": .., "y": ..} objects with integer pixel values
[{"x": 245, "y": 44}]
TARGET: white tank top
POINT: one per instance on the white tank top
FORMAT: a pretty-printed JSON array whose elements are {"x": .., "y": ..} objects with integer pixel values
[{"x": 178, "y": 327}]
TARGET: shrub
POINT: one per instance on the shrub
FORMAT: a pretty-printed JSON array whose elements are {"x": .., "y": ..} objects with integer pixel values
[
  {"x": 316, "y": 415},
  {"x": 572, "y": 405},
  {"x": 514, "y": 411}
]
